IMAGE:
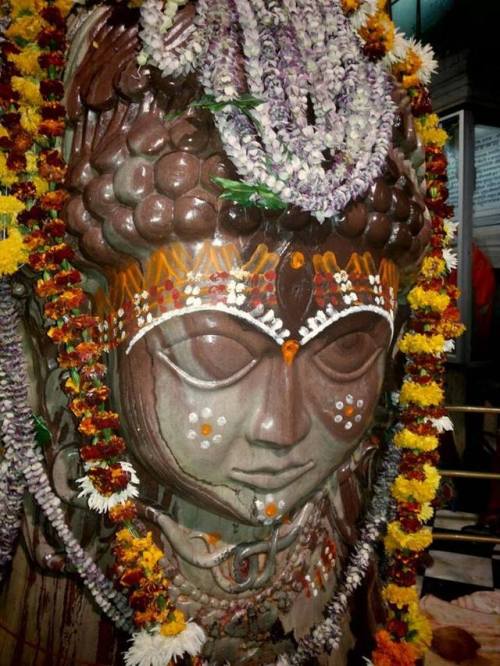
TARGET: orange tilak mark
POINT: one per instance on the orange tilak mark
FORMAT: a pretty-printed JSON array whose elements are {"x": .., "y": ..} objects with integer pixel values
[
  {"x": 289, "y": 350},
  {"x": 297, "y": 260},
  {"x": 213, "y": 538},
  {"x": 349, "y": 410},
  {"x": 206, "y": 429},
  {"x": 271, "y": 510}
]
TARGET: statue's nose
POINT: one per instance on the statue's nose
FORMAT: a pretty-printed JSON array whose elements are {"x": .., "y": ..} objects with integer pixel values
[{"x": 281, "y": 419}]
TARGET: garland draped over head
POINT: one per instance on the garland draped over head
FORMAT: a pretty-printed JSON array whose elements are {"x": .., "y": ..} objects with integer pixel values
[{"x": 320, "y": 167}]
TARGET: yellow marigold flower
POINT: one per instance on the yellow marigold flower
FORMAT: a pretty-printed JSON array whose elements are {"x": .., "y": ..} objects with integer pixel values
[
  {"x": 13, "y": 252},
  {"x": 419, "y": 623},
  {"x": 405, "y": 489},
  {"x": 400, "y": 596},
  {"x": 433, "y": 267},
  {"x": 428, "y": 128},
  {"x": 26, "y": 27},
  {"x": 420, "y": 299},
  {"x": 426, "y": 512},
  {"x": 27, "y": 61},
  {"x": 64, "y": 6},
  {"x": 396, "y": 538},
  {"x": 3, "y": 131},
  {"x": 150, "y": 557},
  {"x": 9, "y": 205},
  {"x": 30, "y": 119},
  {"x": 31, "y": 162},
  {"x": 7, "y": 177},
  {"x": 29, "y": 91},
  {"x": 175, "y": 626},
  {"x": 124, "y": 537},
  {"x": 416, "y": 343},
  {"x": 33, "y": 6},
  {"x": 41, "y": 185},
  {"x": 406, "y": 439},
  {"x": 423, "y": 395}
]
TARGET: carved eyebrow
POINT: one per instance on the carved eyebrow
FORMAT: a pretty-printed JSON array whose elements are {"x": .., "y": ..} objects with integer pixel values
[
  {"x": 318, "y": 324},
  {"x": 267, "y": 322}
]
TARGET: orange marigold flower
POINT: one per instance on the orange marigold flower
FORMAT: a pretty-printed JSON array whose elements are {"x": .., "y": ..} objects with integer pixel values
[
  {"x": 122, "y": 512},
  {"x": 98, "y": 421},
  {"x": 85, "y": 352},
  {"x": 53, "y": 200},
  {"x": 390, "y": 653},
  {"x": 68, "y": 300},
  {"x": 51, "y": 127}
]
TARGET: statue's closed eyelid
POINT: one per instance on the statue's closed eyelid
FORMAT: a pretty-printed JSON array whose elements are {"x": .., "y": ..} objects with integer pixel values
[{"x": 209, "y": 361}]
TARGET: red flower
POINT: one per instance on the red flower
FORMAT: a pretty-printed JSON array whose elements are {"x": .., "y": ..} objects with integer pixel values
[
  {"x": 50, "y": 88},
  {"x": 22, "y": 141},
  {"x": 11, "y": 120},
  {"x": 24, "y": 191},
  {"x": 397, "y": 628},
  {"x": 132, "y": 577},
  {"x": 53, "y": 58},
  {"x": 53, "y": 16},
  {"x": 104, "y": 449},
  {"x": 54, "y": 229},
  {"x": 420, "y": 101},
  {"x": 51, "y": 38},
  {"x": 16, "y": 161},
  {"x": 8, "y": 96},
  {"x": 92, "y": 373},
  {"x": 53, "y": 111},
  {"x": 109, "y": 480}
]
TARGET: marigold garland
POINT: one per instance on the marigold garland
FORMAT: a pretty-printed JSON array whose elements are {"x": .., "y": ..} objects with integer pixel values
[{"x": 432, "y": 327}]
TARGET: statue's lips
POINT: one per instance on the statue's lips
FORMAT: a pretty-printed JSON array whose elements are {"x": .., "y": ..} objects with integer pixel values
[{"x": 267, "y": 478}]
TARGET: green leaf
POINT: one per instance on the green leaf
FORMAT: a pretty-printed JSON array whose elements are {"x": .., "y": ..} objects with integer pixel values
[
  {"x": 244, "y": 103},
  {"x": 42, "y": 433},
  {"x": 249, "y": 195}
]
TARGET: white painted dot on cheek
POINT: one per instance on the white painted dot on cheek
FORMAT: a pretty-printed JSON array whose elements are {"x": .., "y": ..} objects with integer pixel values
[
  {"x": 360, "y": 403},
  {"x": 338, "y": 419},
  {"x": 192, "y": 434},
  {"x": 205, "y": 444},
  {"x": 193, "y": 417},
  {"x": 349, "y": 399},
  {"x": 221, "y": 421},
  {"x": 358, "y": 418},
  {"x": 339, "y": 405},
  {"x": 217, "y": 439},
  {"x": 348, "y": 425},
  {"x": 206, "y": 412}
]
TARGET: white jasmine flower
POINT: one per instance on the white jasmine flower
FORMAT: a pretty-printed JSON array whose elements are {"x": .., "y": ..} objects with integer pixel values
[{"x": 154, "y": 649}]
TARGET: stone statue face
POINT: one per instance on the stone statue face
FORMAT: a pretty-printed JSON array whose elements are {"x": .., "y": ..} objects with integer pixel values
[
  {"x": 252, "y": 344},
  {"x": 216, "y": 409}
]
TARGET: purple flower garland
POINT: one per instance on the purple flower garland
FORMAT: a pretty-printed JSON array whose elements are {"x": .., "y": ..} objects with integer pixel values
[{"x": 23, "y": 468}]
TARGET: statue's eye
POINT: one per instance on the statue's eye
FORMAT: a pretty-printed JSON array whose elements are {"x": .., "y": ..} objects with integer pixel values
[
  {"x": 348, "y": 356},
  {"x": 209, "y": 360}
]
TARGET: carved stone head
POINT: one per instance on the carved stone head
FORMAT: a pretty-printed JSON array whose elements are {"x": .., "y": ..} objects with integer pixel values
[{"x": 249, "y": 345}]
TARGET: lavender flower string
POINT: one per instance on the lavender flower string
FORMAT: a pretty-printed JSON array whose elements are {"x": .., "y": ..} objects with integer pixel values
[
  {"x": 12, "y": 483},
  {"x": 23, "y": 456}
]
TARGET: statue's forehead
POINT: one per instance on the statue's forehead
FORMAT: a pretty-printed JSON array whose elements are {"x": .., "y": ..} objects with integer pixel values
[{"x": 291, "y": 291}]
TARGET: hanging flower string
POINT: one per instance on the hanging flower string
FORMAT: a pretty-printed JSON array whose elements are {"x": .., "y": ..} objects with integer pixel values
[
  {"x": 32, "y": 172},
  {"x": 433, "y": 325}
]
